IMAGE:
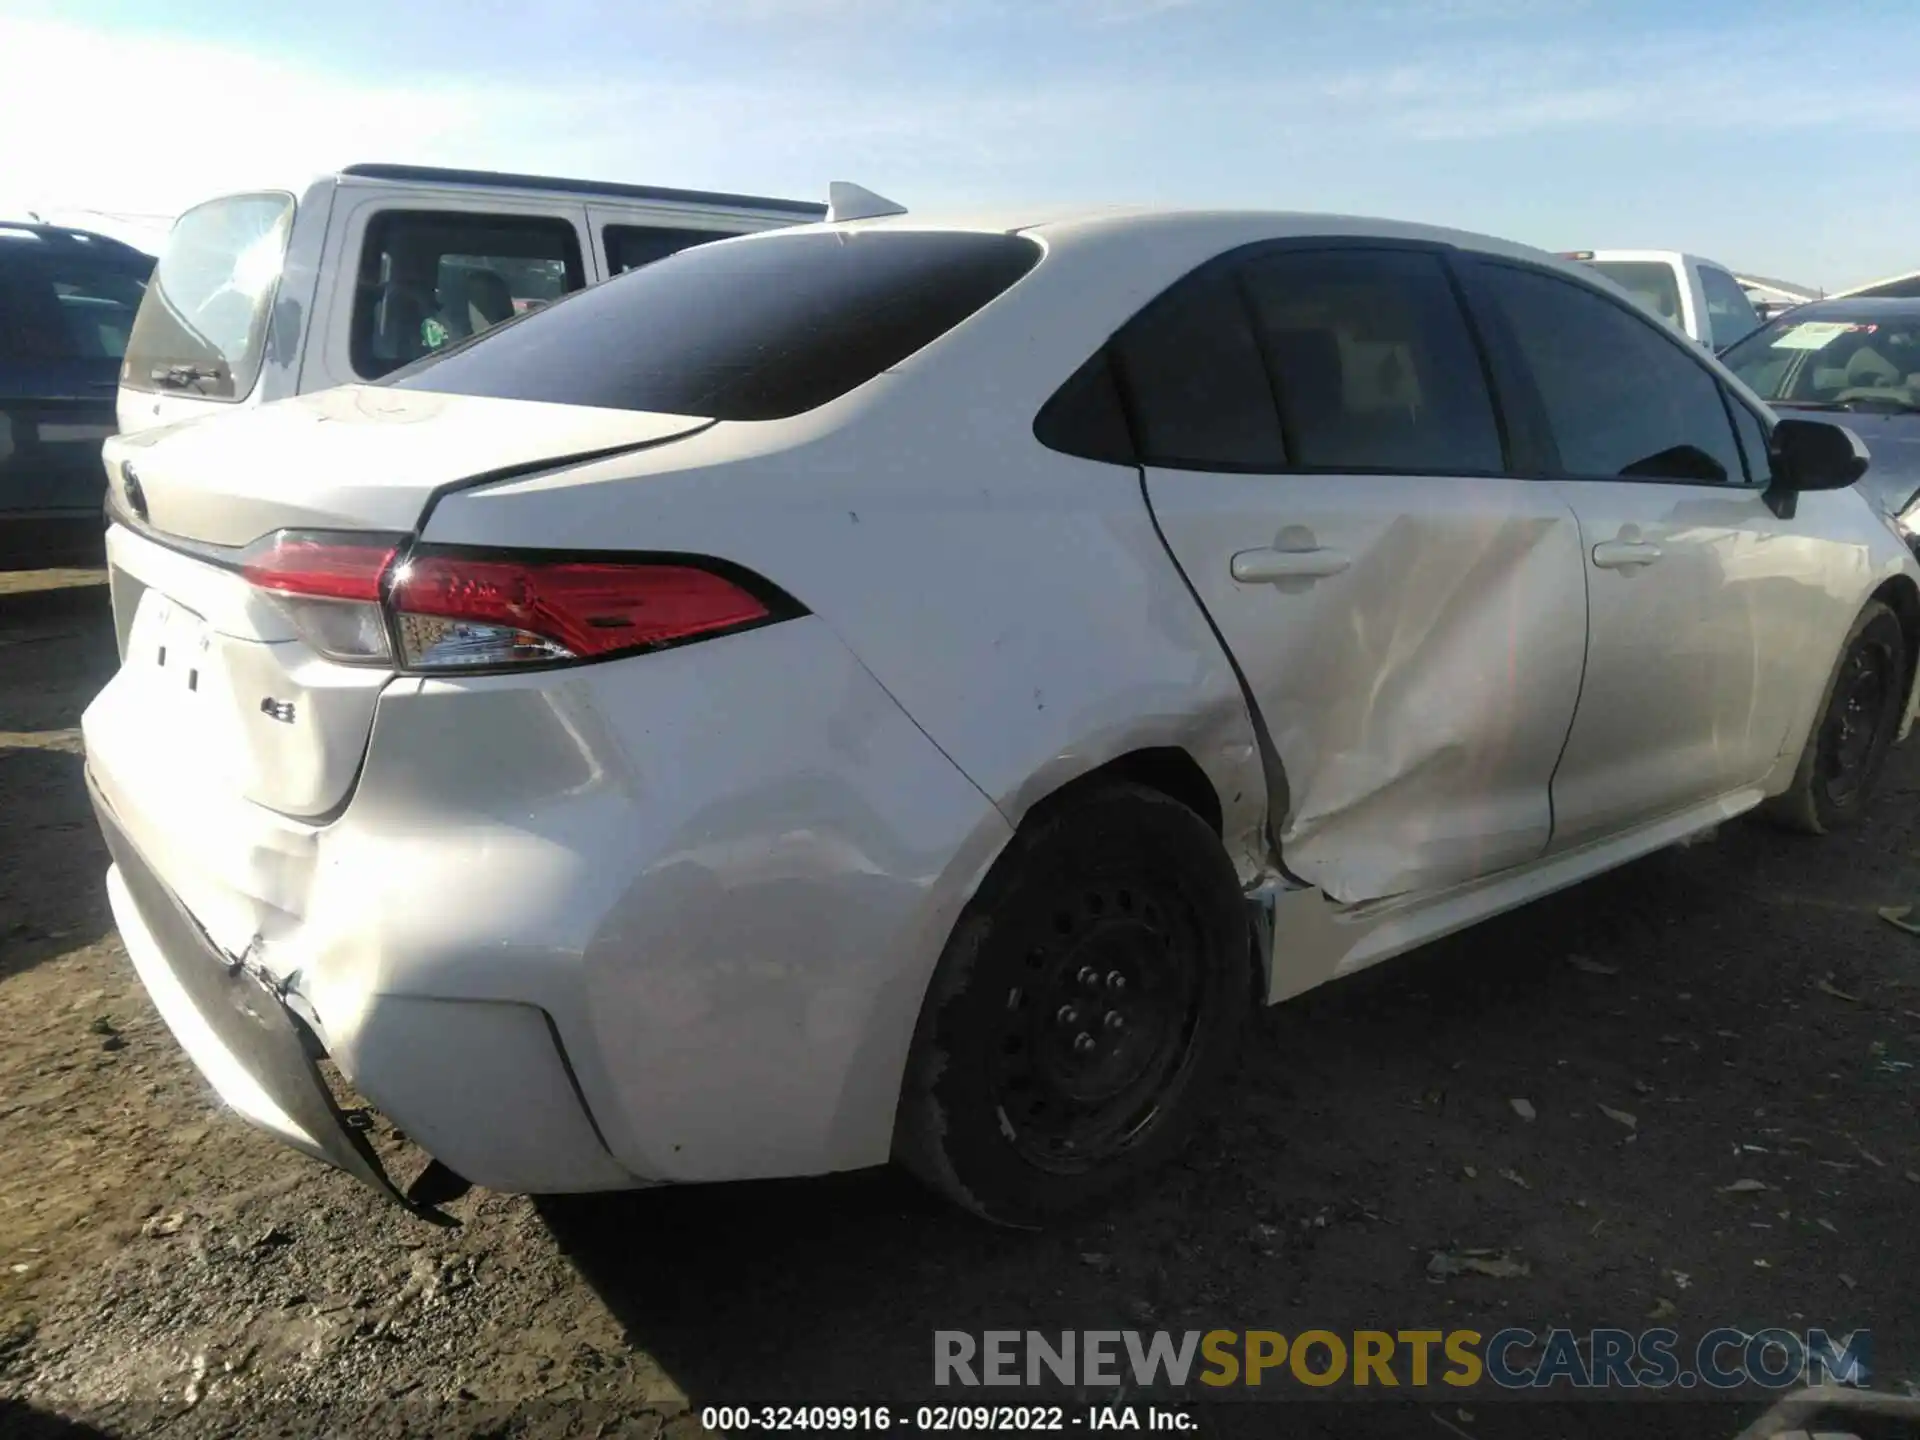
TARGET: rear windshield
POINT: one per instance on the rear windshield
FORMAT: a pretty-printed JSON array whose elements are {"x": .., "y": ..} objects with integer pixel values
[
  {"x": 1652, "y": 282},
  {"x": 758, "y": 329},
  {"x": 203, "y": 326}
]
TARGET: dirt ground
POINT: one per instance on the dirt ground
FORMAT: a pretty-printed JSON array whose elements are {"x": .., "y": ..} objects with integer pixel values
[{"x": 165, "y": 1270}]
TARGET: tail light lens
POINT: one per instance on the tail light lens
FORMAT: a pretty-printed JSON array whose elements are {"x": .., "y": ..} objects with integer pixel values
[
  {"x": 354, "y": 596},
  {"x": 328, "y": 584},
  {"x": 455, "y": 611}
]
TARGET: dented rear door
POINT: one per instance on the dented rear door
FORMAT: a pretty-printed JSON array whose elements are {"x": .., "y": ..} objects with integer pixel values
[
  {"x": 1419, "y": 695},
  {"x": 1410, "y": 635}
]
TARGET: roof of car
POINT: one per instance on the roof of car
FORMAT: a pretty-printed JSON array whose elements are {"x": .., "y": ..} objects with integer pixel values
[
  {"x": 1906, "y": 279},
  {"x": 493, "y": 179},
  {"x": 69, "y": 237},
  {"x": 1863, "y": 307},
  {"x": 1222, "y": 227}
]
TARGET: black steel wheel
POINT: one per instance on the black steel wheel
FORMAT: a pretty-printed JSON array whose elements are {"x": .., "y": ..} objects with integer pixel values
[
  {"x": 1857, "y": 726},
  {"x": 1088, "y": 1001}
]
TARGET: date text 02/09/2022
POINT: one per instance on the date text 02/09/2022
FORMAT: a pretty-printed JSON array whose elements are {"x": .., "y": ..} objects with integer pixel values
[{"x": 938, "y": 1419}]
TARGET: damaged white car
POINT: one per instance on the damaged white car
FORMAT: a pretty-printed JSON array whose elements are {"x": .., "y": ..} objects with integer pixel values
[{"x": 893, "y": 689}]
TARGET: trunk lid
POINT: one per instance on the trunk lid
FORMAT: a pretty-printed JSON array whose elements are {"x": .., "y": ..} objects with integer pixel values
[
  {"x": 219, "y": 698},
  {"x": 360, "y": 457}
]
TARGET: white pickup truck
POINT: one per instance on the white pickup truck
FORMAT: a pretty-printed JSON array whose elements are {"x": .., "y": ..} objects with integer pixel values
[
  {"x": 349, "y": 276},
  {"x": 1698, "y": 297}
]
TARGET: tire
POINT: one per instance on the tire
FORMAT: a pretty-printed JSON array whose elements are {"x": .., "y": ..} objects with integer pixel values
[
  {"x": 1859, "y": 717},
  {"x": 1024, "y": 1098}
]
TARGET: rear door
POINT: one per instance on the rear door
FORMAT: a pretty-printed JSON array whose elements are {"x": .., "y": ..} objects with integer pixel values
[
  {"x": 65, "y": 315},
  {"x": 1328, "y": 467},
  {"x": 1697, "y": 598}
]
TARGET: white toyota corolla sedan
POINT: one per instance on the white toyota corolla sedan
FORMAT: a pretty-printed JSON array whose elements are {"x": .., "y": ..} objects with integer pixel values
[{"x": 896, "y": 689}]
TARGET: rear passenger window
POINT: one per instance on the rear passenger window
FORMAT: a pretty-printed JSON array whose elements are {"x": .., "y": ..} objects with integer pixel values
[
  {"x": 431, "y": 278},
  {"x": 1372, "y": 362},
  {"x": 631, "y": 246},
  {"x": 1190, "y": 371},
  {"x": 1624, "y": 397}
]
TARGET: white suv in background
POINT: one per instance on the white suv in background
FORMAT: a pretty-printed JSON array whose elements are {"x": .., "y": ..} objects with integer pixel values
[
  {"x": 1698, "y": 297},
  {"x": 273, "y": 293}
]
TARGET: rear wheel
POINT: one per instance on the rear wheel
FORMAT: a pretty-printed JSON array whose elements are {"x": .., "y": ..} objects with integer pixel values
[
  {"x": 1088, "y": 1001},
  {"x": 1856, "y": 727}
]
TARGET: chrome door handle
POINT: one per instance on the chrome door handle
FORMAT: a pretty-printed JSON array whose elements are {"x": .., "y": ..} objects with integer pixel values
[
  {"x": 1256, "y": 567},
  {"x": 1623, "y": 554}
]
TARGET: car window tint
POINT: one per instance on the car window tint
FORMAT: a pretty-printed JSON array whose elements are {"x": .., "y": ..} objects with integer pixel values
[
  {"x": 1753, "y": 442},
  {"x": 1372, "y": 362},
  {"x": 1623, "y": 397},
  {"x": 1730, "y": 314},
  {"x": 631, "y": 246},
  {"x": 429, "y": 279},
  {"x": 1190, "y": 369},
  {"x": 753, "y": 329},
  {"x": 59, "y": 304}
]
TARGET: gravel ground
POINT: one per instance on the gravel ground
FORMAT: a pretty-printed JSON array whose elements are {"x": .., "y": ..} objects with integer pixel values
[{"x": 165, "y": 1270}]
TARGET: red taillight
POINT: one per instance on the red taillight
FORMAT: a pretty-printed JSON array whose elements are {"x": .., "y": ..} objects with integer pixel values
[
  {"x": 461, "y": 610},
  {"x": 328, "y": 584},
  {"x": 454, "y": 610},
  {"x": 321, "y": 566}
]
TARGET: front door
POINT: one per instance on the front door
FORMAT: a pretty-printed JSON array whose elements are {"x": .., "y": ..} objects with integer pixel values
[
  {"x": 1695, "y": 603},
  {"x": 1328, "y": 469}
]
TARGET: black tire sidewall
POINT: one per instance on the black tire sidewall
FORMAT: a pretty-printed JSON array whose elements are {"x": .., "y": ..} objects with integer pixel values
[
  {"x": 951, "y": 1130},
  {"x": 1880, "y": 625}
]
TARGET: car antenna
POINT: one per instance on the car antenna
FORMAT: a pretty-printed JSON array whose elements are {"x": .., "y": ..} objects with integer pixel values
[{"x": 847, "y": 201}]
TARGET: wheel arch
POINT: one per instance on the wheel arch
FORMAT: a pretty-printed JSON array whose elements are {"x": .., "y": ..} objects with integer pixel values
[{"x": 1169, "y": 769}]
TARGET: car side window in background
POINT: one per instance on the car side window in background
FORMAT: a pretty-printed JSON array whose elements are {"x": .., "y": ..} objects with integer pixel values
[
  {"x": 66, "y": 306},
  {"x": 1730, "y": 315},
  {"x": 631, "y": 246},
  {"x": 1623, "y": 398},
  {"x": 1190, "y": 370},
  {"x": 1654, "y": 283},
  {"x": 1753, "y": 443},
  {"x": 1372, "y": 362},
  {"x": 431, "y": 278}
]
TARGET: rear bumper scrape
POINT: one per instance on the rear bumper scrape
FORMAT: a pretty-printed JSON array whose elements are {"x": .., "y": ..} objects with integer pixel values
[{"x": 229, "y": 1018}]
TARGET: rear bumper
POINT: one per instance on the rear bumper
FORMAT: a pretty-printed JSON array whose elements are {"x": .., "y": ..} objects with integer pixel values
[
  {"x": 231, "y": 1022},
  {"x": 483, "y": 1087},
  {"x": 668, "y": 919}
]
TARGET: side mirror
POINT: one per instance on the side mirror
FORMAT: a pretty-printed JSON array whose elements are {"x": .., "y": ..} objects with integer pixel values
[{"x": 1813, "y": 455}]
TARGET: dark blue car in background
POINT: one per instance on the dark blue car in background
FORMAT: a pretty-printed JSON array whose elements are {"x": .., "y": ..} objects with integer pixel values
[
  {"x": 67, "y": 302},
  {"x": 1859, "y": 357}
]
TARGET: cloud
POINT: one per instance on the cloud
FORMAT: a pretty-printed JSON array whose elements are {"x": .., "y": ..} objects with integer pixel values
[
  {"x": 201, "y": 117},
  {"x": 192, "y": 118}
]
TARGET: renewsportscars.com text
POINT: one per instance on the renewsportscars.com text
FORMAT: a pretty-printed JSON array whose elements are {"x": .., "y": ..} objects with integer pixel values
[{"x": 1510, "y": 1359}]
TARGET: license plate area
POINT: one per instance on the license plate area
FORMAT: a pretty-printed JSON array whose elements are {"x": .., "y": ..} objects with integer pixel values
[{"x": 170, "y": 647}]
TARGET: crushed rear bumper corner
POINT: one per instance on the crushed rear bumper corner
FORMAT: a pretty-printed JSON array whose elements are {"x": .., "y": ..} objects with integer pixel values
[{"x": 231, "y": 1021}]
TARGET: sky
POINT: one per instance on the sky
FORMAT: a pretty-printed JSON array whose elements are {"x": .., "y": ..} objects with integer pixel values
[{"x": 1779, "y": 138}]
